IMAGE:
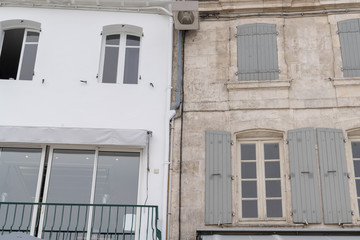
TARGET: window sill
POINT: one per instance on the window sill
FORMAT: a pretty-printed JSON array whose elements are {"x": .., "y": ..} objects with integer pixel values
[
  {"x": 279, "y": 84},
  {"x": 354, "y": 81}
]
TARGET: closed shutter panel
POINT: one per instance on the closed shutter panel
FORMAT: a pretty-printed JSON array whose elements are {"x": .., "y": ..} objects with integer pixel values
[
  {"x": 257, "y": 52},
  {"x": 333, "y": 175},
  {"x": 218, "y": 205},
  {"x": 304, "y": 176},
  {"x": 349, "y": 34}
]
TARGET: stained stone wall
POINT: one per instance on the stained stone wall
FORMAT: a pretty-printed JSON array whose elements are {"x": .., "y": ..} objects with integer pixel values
[{"x": 311, "y": 92}]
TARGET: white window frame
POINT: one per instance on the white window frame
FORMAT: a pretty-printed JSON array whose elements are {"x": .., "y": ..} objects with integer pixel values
[
  {"x": 353, "y": 191},
  {"x": 124, "y": 31},
  {"x": 28, "y": 26},
  {"x": 260, "y": 178}
]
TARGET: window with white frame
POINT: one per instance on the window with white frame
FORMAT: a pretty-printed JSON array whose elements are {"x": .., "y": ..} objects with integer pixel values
[
  {"x": 261, "y": 184},
  {"x": 120, "y": 54},
  {"x": 68, "y": 175},
  {"x": 19, "y": 43}
]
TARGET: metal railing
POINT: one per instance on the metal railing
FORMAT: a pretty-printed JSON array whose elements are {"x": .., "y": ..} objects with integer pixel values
[{"x": 67, "y": 221}]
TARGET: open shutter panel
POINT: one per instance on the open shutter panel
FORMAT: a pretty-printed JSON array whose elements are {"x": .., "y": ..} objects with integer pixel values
[
  {"x": 257, "y": 52},
  {"x": 267, "y": 51},
  {"x": 349, "y": 34},
  {"x": 304, "y": 176},
  {"x": 333, "y": 175},
  {"x": 247, "y": 52},
  {"x": 218, "y": 206}
]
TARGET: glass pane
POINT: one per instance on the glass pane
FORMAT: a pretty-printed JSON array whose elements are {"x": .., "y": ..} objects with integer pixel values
[
  {"x": 71, "y": 176},
  {"x": 249, "y": 209},
  {"x": 19, "y": 169},
  {"x": 132, "y": 40},
  {"x": 117, "y": 178},
  {"x": 357, "y": 168},
  {"x": 273, "y": 188},
  {"x": 248, "y": 170},
  {"x": 28, "y": 62},
  {"x": 32, "y": 37},
  {"x": 10, "y": 53},
  {"x": 248, "y": 152},
  {"x": 271, "y": 150},
  {"x": 273, "y": 208},
  {"x": 113, "y": 39},
  {"x": 248, "y": 189},
  {"x": 358, "y": 187},
  {"x": 355, "y": 146},
  {"x": 358, "y": 205},
  {"x": 272, "y": 169},
  {"x": 110, "y": 64},
  {"x": 131, "y": 66}
]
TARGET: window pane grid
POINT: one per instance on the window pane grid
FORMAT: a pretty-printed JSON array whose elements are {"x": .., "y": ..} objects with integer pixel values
[
  {"x": 266, "y": 156},
  {"x": 355, "y": 148}
]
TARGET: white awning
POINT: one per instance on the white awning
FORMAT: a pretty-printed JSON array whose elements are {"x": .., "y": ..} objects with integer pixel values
[{"x": 83, "y": 136}]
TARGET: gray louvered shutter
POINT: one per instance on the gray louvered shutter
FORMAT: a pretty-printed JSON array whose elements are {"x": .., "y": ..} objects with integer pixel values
[
  {"x": 304, "y": 176},
  {"x": 333, "y": 175},
  {"x": 257, "y": 52},
  {"x": 218, "y": 204},
  {"x": 349, "y": 34}
]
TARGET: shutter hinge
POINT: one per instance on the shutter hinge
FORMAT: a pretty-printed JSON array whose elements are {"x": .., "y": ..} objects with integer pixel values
[
  {"x": 352, "y": 212},
  {"x": 291, "y": 213},
  {"x": 236, "y": 35},
  {"x": 232, "y": 177},
  {"x": 287, "y": 141},
  {"x": 344, "y": 140},
  {"x": 348, "y": 175},
  {"x": 233, "y": 213},
  {"x": 142, "y": 35},
  {"x": 237, "y": 73},
  {"x": 289, "y": 176},
  {"x": 231, "y": 142}
]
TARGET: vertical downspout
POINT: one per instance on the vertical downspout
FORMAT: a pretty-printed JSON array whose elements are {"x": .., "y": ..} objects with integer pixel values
[{"x": 177, "y": 105}]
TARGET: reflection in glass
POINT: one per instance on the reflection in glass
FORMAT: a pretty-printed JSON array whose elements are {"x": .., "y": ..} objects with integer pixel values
[
  {"x": 248, "y": 170},
  {"x": 273, "y": 208},
  {"x": 248, "y": 189},
  {"x": 355, "y": 146},
  {"x": 28, "y": 62},
  {"x": 116, "y": 183},
  {"x": 131, "y": 65},
  {"x": 249, "y": 209},
  {"x": 71, "y": 176},
  {"x": 271, "y": 150},
  {"x": 272, "y": 169},
  {"x": 19, "y": 169},
  {"x": 273, "y": 188},
  {"x": 248, "y": 152},
  {"x": 113, "y": 39},
  {"x": 110, "y": 64}
]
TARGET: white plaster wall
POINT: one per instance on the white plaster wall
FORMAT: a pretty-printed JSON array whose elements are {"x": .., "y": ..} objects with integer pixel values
[{"x": 69, "y": 51}]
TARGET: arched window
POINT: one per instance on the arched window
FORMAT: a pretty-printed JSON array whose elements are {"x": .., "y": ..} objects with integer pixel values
[
  {"x": 19, "y": 42},
  {"x": 120, "y": 54}
]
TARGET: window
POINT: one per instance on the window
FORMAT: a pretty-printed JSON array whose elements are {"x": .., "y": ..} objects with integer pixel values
[
  {"x": 72, "y": 176},
  {"x": 120, "y": 54},
  {"x": 257, "y": 52},
  {"x": 355, "y": 150},
  {"x": 18, "y": 49},
  {"x": 349, "y": 34},
  {"x": 261, "y": 183}
]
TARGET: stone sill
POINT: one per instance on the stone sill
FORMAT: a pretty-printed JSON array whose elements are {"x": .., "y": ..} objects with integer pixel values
[
  {"x": 278, "y": 84},
  {"x": 354, "y": 81}
]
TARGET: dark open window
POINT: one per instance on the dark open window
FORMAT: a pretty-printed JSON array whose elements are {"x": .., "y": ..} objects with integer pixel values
[{"x": 18, "y": 54}]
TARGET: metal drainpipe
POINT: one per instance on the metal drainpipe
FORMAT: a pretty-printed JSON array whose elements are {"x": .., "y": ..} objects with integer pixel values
[{"x": 179, "y": 76}]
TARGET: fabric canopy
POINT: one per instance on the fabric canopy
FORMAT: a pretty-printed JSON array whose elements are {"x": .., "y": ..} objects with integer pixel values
[{"x": 84, "y": 136}]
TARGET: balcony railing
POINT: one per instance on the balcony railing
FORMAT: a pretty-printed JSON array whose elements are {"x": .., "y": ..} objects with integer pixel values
[{"x": 67, "y": 221}]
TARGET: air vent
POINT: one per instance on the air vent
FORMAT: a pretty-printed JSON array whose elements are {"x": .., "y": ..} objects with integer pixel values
[{"x": 186, "y": 15}]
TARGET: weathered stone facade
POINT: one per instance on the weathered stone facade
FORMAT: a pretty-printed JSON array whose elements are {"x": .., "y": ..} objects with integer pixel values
[{"x": 311, "y": 92}]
